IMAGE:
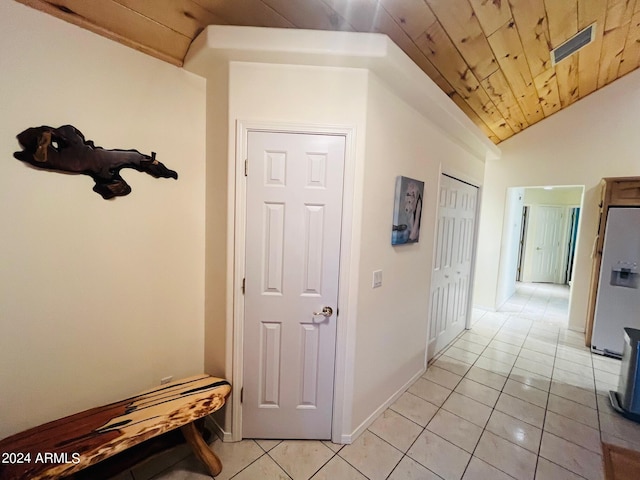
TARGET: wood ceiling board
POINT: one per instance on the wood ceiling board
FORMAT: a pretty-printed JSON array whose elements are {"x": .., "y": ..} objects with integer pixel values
[
  {"x": 443, "y": 55},
  {"x": 413, "y": 16},
  {"x": 567, "y": 78},
  {"x": 506, "y": 45},
  {"x": 631, "y": 53},
  {"x": 502, "y": 97},
  {"x": 120, "y": 24},
  {"x": 361, "y": 15},
  {"x": 531, "y": 20},
  {"x": 547, "y": 86},
  {"x": 613, "y": 44},
  {"x": 384, "y": 22},
  {"x": 464, "y": 106},
  {"x": 590, "y": 11},
  {"x": 562, "y": 18},
  {"x": 460, "y": 22},
  {"x": 251, "y": 13},
  {"x": 419, "y": 58},
  {"x": 130, "y": 24},
  {"x": 492, "y": 14},
  {"x": 370, "y": 16},
  {"x": 619, "y": 12},
  {"x": 618, "y": 18},
  {"x": 444, "y": 85},
  {"x": 183, "y": 16},
  {"x": 480, "y": 102},
  {"x": 437, "y": 47},
  {"x": 312, "y": 14}
]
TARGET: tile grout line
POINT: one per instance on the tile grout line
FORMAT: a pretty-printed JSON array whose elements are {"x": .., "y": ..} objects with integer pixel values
[
  {"x": 546, "y": 408},
  {"x": 493, "y": 409}
]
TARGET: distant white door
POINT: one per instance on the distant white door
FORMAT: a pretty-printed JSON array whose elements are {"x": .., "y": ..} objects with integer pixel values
[
  {"x": 450, "y": 279},
  {"x": 547, "y": 228},
  {"x": 293, "y": 226}
]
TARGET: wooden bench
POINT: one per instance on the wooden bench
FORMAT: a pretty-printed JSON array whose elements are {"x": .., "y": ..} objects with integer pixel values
[{"x": 65, "y": 446}]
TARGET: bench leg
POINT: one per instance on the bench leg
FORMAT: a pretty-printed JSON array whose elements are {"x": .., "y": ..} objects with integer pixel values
[{"x": 201, "y": 449}]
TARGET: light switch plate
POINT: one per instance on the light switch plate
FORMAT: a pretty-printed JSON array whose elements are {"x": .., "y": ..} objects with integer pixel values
[{"x": 377, "y": 278}]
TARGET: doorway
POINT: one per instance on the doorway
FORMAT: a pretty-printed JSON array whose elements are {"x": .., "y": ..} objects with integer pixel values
[
  {"x": 573, "y": 239},
  {"x": 547, "y": 215},
  {"x": 294, "y": 188}
]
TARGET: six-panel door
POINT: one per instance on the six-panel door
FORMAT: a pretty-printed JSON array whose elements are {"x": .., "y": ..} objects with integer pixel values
[
  {"x": 293, "y": 228},
  {"x": 450, "y": 280}
]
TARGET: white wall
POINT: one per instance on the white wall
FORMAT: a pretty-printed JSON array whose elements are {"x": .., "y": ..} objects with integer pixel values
[
  {"x": 387, "y": 329},
  {"x": 393, "y": 319},
  {"x": 322, "y": 96},
  {"x": 594, "y": 138},
  {"x": 569, "y": 196},
  {"x": 98, "y": 299},
  {"x": 218, "y": 300},
  {"x": 511, "y": 231}
]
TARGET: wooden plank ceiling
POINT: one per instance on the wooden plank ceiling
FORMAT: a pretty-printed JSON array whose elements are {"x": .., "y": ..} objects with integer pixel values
[{"x": 490, "y": 56}]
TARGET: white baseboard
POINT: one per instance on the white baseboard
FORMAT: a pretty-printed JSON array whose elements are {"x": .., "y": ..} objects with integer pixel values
[
  {"x": 218, "y": 430},
  {"x": 351, "y": 437}
]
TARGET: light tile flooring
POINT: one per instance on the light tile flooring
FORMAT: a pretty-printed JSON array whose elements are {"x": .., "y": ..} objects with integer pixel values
[{"x": 517, "y": 396}]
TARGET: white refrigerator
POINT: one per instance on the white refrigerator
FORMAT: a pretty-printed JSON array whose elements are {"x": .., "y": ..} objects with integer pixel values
[{"x": 618, "y": 301}]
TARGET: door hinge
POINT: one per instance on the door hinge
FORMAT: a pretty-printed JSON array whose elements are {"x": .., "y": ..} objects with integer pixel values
[
  {"x": 242, "y": 395},
  {"x": 246, "y": 167},
  {"x": 244, "y": 280}
]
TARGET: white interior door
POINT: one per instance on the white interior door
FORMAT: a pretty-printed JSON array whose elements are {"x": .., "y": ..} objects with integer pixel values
[
  {"x": 450, "y": 279},
  {"x": 294, "y": 210},
  {"x": 545, "y": 244}
]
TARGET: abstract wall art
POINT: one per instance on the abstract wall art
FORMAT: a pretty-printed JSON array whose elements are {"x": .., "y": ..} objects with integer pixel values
[{"x": 64, "y": 149}]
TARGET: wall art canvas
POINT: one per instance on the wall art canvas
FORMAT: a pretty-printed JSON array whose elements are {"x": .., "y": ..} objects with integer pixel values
[{"x": 407, "y": 211}]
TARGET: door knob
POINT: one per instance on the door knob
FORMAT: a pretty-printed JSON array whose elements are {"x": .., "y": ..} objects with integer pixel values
[{"x": 326, "y": 312}]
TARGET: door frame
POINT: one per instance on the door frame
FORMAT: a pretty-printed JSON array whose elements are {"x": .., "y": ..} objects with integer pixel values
[
  {"x": 345, "y": 329},
  {"x": 522, "y": 242}
]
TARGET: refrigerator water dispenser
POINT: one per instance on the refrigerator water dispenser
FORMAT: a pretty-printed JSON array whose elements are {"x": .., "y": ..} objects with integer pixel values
[{"x": 625, "y": 274}]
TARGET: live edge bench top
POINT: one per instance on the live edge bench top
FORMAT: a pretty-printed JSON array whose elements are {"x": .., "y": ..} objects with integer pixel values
[{"x": 70, "y": 444}]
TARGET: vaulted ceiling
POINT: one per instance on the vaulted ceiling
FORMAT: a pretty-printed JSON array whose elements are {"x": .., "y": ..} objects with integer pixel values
[{"x": 490, "y": 56}]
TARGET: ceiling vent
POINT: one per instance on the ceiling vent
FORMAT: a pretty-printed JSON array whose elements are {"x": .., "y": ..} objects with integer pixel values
[{"x": 575, "y": 43}]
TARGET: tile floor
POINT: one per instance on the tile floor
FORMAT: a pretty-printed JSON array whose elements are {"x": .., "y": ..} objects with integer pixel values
[{"x": 517, "y": 396}]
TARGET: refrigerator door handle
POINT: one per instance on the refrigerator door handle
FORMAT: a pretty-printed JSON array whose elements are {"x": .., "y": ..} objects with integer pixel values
[{"x": 595, "y": 246}]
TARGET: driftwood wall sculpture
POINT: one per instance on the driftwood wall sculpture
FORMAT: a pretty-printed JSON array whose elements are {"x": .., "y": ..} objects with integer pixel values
[{"x": 65, "y": 149}]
